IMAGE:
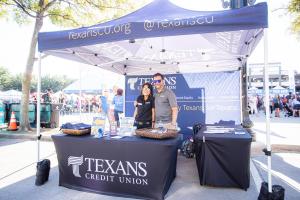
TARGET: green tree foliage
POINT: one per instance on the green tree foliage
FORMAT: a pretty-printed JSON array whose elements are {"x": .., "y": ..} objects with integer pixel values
[
  {"x": 66, "y": 13},
  {"x": 14, "y": 82},
  {"x": 56, "y": 83},
  {"x": 9, "y": 81},
  {"x": 294, "y": 9},
  {"x": 5, "y": 78}
]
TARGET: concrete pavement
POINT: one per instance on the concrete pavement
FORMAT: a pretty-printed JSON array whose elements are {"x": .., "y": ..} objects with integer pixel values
[
  {"x": 18, "y": 156},
  {"x": 17, "y": 179}
]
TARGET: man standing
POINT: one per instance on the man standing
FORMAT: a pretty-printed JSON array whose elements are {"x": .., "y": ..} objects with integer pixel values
[
  {"x": 166, "y": 109},
  {"x": 47, "y": 97}
]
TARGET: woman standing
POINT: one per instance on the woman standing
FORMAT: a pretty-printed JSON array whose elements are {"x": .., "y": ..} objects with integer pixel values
[
  {"x": 144, "y": 108},
  {"x": 277, "y": 102},
  {"x": 118, "y": 102}
]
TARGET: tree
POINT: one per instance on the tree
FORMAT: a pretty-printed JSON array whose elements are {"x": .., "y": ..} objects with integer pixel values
[
  {"x": 67, "y": 13},
  {"x": 294, "y": 9},
  {"x": 16, "y": 82},
  {"x": 56, "y": 83},
  {"x": 5, "y": 78}
]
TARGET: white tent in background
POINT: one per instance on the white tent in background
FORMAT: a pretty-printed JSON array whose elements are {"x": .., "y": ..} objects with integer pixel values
[
  {"x": 11, "y": 95},
  {"x": 279, "y": 90}
]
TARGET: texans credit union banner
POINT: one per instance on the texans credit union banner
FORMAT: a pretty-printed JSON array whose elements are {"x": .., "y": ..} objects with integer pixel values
[{"x": 202, "y": 97}]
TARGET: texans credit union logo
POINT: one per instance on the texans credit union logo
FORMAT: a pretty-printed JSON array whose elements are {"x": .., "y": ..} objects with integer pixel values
[
  {"x": 75, "y": 162},
  {"x": 132, "y": 82}
]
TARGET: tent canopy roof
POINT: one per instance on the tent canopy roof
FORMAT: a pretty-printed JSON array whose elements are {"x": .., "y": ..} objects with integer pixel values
[{"x": 163, "y": 37}]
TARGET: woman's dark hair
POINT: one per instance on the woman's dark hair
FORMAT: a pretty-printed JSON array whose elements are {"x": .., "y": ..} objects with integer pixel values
[
  {"x": 120, "y": 92},
  {"x": 149, "y": 86}
]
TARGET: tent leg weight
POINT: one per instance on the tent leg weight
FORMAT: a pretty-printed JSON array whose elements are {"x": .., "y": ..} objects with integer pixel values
[
  {"x": 276, "y": 194},
  {"x": 42, "y": 173}
]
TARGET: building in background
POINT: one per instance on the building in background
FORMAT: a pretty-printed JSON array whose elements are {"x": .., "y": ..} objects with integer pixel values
[{"x": 280, "y": 81}]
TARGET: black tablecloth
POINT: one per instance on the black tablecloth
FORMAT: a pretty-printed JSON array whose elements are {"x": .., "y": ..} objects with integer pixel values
[
  {"x": 223, "y": 159},
  {"x": 129, "y": 167}
]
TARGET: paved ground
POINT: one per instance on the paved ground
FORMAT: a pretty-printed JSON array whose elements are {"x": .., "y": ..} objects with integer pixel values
[
  {"x": 17, "y": 178},
  {"x": 18, "y": 156},
  {"x": 285, "y": 140}
]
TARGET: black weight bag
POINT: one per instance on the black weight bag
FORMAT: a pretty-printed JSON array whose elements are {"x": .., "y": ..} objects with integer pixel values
[
  {"x": 196, "y": 128},
  {"x": 277, "y": 192},
  {"x": 188, "y": 148},
  {"x": 42, "y": 173}
]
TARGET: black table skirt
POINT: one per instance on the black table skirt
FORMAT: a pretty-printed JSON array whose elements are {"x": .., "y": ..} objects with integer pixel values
[
  {"x": 223, "y": 159},
  {"x": 128, "y": 167}
]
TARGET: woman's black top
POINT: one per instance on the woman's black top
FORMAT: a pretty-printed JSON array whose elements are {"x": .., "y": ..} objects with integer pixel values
[{"x": 144, "y": 109}]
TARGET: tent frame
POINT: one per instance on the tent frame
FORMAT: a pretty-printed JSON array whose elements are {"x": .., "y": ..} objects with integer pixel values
[{"x": 267, "y": 103}]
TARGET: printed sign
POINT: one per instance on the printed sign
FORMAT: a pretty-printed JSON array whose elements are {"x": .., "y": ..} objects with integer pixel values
[
  {"x": 189, "y": 100},
  {"x": 98, "y": 125},
  {"x": 208, "y": 98}
]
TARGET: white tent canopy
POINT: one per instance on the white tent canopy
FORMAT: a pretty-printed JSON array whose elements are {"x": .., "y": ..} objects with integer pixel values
[
  {"x": 162, "y": 37},
  {"x": 172, "y": 54}
]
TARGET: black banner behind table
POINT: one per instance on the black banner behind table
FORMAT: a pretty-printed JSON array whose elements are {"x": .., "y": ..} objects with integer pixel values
[
  {"x": 129, "y": 167},
  {"x": 190, "y": 100}
]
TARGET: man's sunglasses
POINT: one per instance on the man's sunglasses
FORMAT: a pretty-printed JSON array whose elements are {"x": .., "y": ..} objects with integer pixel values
[{"x": 156, "y": 81}]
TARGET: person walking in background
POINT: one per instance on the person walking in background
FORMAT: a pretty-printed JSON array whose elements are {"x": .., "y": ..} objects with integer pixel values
[
  {"x": 47, "y": 98},
  {"x": 296, "y": 107},
  {"x": 253, "y": 104},
  {"x": 104, "y": 104},
  {"x": 118, "y": 102},
  {"x": 276, "y": 102},
  {"x": 144, "y": 108},
  {"x": 271, "y": 105}
]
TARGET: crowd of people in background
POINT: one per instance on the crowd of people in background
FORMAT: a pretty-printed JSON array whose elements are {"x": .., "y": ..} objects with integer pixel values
[
  {"x": 74, "y": 103},
  {"x": 281, "y": 106}
]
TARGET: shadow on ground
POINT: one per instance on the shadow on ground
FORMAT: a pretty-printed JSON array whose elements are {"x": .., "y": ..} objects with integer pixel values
[{"x": 185, "y": 186}]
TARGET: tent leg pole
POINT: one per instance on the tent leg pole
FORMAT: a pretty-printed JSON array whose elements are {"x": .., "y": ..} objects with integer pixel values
[
  {"x": 124, "y": 97},
  {"x": 267, "y": 103},
  {"x": 38, "y": 107},
  {"x": 80, "y": 93}
]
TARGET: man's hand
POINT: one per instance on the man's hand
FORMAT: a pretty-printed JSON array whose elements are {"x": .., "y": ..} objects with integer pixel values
[{"x": 171, "y": 126}]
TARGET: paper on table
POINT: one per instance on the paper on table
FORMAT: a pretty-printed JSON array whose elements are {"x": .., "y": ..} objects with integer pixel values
[
  {"x": 117, "y": 137},
  {"x": 239, "y": 132},
  {"x": 216, "y": 131},
  {"x": 219, "y": 128}
]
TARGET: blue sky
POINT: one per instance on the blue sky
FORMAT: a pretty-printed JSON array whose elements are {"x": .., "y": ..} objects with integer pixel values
[{"x": 283, "y": 46}]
